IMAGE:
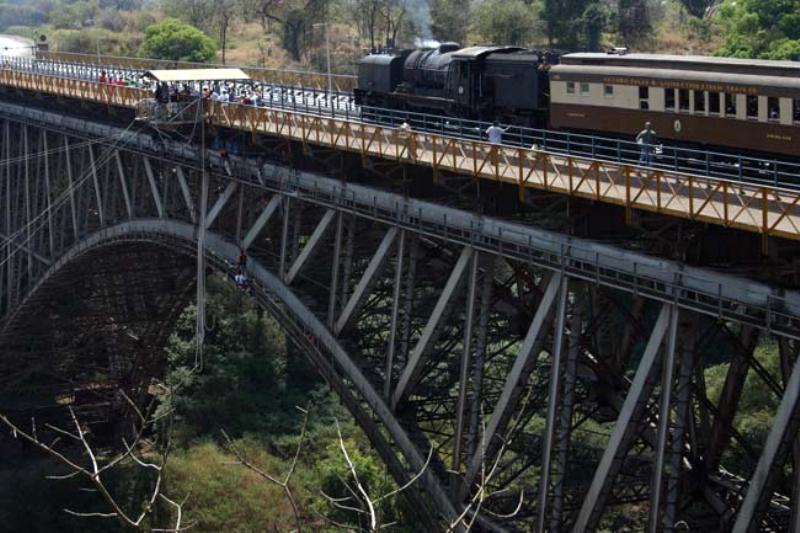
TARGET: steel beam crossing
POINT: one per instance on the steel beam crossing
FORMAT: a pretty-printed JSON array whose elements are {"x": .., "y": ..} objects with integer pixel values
[{"x": 561, "y": 383}]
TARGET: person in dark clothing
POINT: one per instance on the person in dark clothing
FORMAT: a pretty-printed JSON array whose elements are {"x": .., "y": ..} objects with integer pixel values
[{"x": 647, "y": 144}]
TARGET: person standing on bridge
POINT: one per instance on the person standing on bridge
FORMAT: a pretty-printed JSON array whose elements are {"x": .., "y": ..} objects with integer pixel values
[
  {"x": 495, "y": 133},
  {"x": 646, "y": 139}
]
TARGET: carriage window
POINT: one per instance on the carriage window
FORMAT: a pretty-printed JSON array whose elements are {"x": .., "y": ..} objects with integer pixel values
[
  {"x": 796, "y": 110},
  {"x": 608, "y": 90},
  {"x": 752, "y": 106},
  {"x": 713, "y": 103},
  {"x": 669, "y": 99},
  {"x": 644, "y": 97},
  {"x": 730, "y": 104},
  {"x": 683, "y": 99},
  {"x": 570, "y": 87},
  {"x": 584, "y": 88},
  {"x": 773, "y": 109},
  {"x": 699, "y": 101}
]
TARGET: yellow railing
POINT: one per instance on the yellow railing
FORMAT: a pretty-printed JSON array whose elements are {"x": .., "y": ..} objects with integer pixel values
[
  {"x": 769, "y": 211},
  {"x": 289, "y": 77}
]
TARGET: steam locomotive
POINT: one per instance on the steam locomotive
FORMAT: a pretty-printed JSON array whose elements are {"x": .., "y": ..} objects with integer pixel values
[
  {"x": 481, "y": 82},
  {"x": 739, "y": 105}
]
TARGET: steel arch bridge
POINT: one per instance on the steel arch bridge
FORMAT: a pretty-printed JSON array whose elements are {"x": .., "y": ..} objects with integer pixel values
[{"x": 569, "y": 370}]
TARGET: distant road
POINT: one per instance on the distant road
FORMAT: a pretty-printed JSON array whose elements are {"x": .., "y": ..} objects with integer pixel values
[{"x": 12, "y": 45}]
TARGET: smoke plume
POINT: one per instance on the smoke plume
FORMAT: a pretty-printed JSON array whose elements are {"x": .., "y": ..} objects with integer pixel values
[{"x": 419, "y": 13}]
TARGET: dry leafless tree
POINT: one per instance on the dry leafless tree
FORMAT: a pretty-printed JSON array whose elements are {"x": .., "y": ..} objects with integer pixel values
[{"x": 93, "y": 467}]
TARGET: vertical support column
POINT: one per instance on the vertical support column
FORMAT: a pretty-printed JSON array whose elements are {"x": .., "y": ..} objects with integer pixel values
[
  {"x": 682, "y": 409},
  {"x": 202, "y": 227},
  {"x": 334, "y": 288},
  {"x": 5, "y": 245},
  {"x": 123, "y": 184},
  {"x": 10, "y": 260},
  {"x": 408, "y": 301},
  {"x": 788, "y": 352},
  {"x": 96, "y": 182},
  {"x": 552, "y": 401},
  {"x": 396, "y": 294},
  {"x": 239, "y": 215},
  {"x": 349, "y": 251},
  {"x": 480, "y": 356},
  {"x": 48, "y": 194},
  {"x": 284, "y": 237},
  {"x": 665, "y": 403},
  {"x": 629, "y": 415},
  {"x": 465, "y": 361},
  {"x": 564, "y": 429},
  {"x": 71, "y": 185},
  {"x": 781, "y": 436},
  {"x": 28, "y": 214}
]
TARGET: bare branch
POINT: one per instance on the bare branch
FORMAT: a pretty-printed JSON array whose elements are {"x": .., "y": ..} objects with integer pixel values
[
  {"x": 410, "y": 481},
  {"x": 93, "y": 473},
  {"x": 373, "y": 519}
]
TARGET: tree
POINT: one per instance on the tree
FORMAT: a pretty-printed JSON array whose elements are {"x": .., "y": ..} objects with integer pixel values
[
  {"x": 176, "y": 40},
  {"x": 451, "y": 20},
  {"x": 223, "y": 13},
  {"x": 767, "y": 29},
  {"x": 296, "y": 18},
  {"x": 633, "y": 20},
  {"x": 699, "y": 8},
  {"x": 368, "y": 15},
  {"x": 511, "y": 22},
  {"x": 198, "y": 13},
  {"x": 573, "y": 24}
]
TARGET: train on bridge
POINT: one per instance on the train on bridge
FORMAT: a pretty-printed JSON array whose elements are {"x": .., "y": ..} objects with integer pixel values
[{"x": 727, "y": 103}]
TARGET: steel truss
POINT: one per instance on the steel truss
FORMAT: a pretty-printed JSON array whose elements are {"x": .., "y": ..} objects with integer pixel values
[{"x": 545, "y": 370}]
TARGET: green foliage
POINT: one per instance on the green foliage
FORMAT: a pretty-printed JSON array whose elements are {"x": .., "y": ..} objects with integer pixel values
[
  {"x": 767, "y": 29},
  {"x": 88, "y": 40},
  {"x": 74, "y": 16},
  {"x": 633, "y": 21},
  {"x": 11, "y": 15},
  {"x": 251, "y": 382},
  {"x": 451, "y": 20},
  {"x": 507, "y": 22},
  {"x": 173, "y": 39},
  {"x": 574, "y": 24},
  {"x": 757, "y": 403},
  {"x": 224, "y": 496}
]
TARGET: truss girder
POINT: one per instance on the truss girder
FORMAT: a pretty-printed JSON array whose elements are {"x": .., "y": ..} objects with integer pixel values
[{"x": 499, "y": 346}]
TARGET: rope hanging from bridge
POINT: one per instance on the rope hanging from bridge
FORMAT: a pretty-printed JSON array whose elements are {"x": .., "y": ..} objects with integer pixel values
[{"x": 200, "y": 326}]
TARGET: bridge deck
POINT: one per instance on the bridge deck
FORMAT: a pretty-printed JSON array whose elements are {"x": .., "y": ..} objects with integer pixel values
[{"x": 771, "y": 211}]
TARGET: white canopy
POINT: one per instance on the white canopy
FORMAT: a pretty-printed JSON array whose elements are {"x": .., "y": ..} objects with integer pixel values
[{"x": 200, "y": 74}]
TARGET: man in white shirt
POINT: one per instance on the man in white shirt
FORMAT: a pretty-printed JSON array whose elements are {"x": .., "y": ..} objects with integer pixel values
[{"x": 495, "y": 133}]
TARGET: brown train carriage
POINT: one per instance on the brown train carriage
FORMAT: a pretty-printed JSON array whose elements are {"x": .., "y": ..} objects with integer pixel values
[{"x": 744, "y": 105}]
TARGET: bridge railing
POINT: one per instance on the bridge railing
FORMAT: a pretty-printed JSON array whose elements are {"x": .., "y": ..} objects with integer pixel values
[
  {"x": 736, "y": 167},
  {"x": 768, "y": 210},
  {"x": 71, "y": 88},
  {"x": 314, "y": 99},
  {"x": 762, "y": 209},
  {"x": 290, "y": 77}
]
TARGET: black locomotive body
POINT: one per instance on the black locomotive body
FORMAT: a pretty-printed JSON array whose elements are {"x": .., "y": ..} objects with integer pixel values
[{"x": 480, "y": 82}]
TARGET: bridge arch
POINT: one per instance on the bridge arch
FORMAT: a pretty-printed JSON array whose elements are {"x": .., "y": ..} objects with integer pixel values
[{"x": 300, "y": 324}]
